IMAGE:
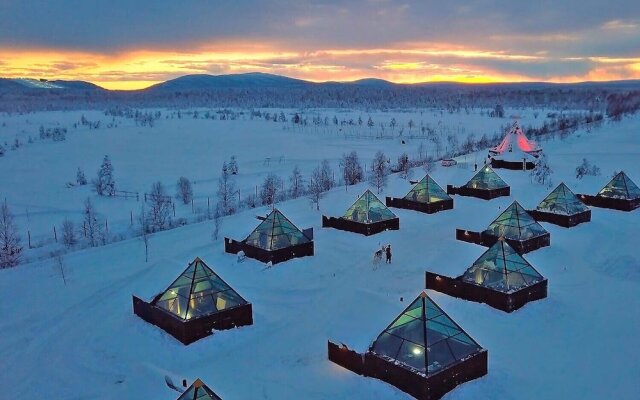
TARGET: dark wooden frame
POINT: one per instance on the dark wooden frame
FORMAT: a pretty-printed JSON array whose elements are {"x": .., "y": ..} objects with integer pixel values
[
  {"x": 610, "y": 202},
  {"x": 488, "y": 240},
  {"x": 266, "y": 256},
  {"x": 428, "y": 208},
  {"x": 429, "y": 387},
  {"x": 189, "y": 331},
  {"x": 512, "y": 165},
  {"x": 484, "y": 194},
  {"x": 507, "y": 302},
  {"x": 566, "y": 221},
  {"x": 348, "y": 225}
]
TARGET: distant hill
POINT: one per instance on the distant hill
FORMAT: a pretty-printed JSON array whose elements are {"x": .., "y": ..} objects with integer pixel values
[
  {"x": 233, "y": 81},
  {"x": 28, "y": 84}
]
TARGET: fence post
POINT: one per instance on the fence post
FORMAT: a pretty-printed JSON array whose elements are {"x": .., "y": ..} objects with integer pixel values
[
  {"x": 106, "y": 224},
  {"x": 192, "y": 211},
  {"x": 137, "y": 196},
  {"x": 55, "y": 234},
  {"x": 174, "y": 209},
  {"x": 208, "y": 209},
  {"x": 29, "y": 234},
  {"x": 131, "y": 216}
]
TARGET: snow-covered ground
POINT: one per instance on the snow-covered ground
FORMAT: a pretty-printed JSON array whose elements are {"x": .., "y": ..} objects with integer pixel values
[
  {"x": 82, "y": 340},
  {"x": 34, "y": 177}
]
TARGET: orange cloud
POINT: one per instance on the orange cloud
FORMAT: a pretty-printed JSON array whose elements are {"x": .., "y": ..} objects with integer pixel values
[{"x": 403, "y": 63}]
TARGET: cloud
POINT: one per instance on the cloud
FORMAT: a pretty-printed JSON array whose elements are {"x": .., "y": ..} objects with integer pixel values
[{"x": 408, "y": 41}]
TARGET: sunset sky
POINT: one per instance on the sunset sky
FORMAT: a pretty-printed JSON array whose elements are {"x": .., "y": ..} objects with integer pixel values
[{"x": 124, "y": 44}]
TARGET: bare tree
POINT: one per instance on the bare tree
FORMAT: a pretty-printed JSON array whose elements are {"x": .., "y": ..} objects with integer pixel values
[
  {"x": 159, "y": 213},
  {"x": 296, "y": 181},
  {"x": 429, "y": 165},
  {"x": 316, "y": 188},
  {"x": 379, "y": 171},
  {"x": 326, "y": 175},
  {"x": 217, "y": 222},
  {"x": 92, "y": 225},
  {"x": 68, "y": 233},
  {"x": 351, "y": 169},
  {"x": 144, "y": 232},
  {"x": 10, "y": 248},
  {"x": 271, "y": 187},
  {"x": 226, "y": 191},
  {"x": 184, "y": 191}
]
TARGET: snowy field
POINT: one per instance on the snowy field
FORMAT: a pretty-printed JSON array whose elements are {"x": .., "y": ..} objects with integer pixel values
[
  {"x": 34, "y": 176},
  {"x": 82, "y": 341}
]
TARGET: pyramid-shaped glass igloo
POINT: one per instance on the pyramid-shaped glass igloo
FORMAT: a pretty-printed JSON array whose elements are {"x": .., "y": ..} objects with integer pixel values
[
  {"x": 195, "y": 304},
  {"x": 519, "y": 228},
  {"x": 198, "y": 292},
  {"x": 486, "y": 179},
  {"x": 516, "y": 224},
  {"x": 427, "y": 191},
  {"x": 199, "y": 391},
  {"x": 620, "y": 187},
  {"x": 562, "y": 201},
  {"x": 423, "y": 352},
  {"x": 426, "y": 196},
  {"x": 501, "y": 268},
  {"x": 368, "y": 209},
  {"x": 275, "y": 239},
  {"x": 276, "y": 232},
  {"x": 367, "y": 216},
  {"x": 424, "y": 338}
]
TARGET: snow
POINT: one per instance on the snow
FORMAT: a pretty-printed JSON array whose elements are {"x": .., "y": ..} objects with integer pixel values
[{"x": 82, "y": 340}]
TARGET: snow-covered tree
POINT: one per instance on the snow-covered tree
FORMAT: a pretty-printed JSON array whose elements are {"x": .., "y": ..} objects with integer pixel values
[
  {"x": 379, "y": 171},
  {"x": 68, "y": 233},
  {"x": 404, "y": 166},
  {"x": 226, "y": 191},
  {"x": 271, "y": 188},
  {"x": 586, "y": 168},
  {"x": 81, "y": 179},
  {"x": 159, "y": 213},
  {"x": 542, "y": 172},
  {"x": 105, "y": 183},
  {"x": 10, "y": 248},
  {"x": 184, "y": 191},
  {"x": 296, "y": 183},
  {"x": 233, "y": 166},
  {"x": 351, "y": 169}
]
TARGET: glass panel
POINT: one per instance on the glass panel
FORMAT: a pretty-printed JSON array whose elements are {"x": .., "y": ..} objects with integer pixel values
[
  {"x": 515, "y": 223},
  {"x": 462, "y": 346},
  {"x": 412, "y": 331},
  {"x": 439, "y": 356},
  {"x": 412, "y": 355},
  {"x": 387, "y": 345},
  {"x": 177, "y": 306}
]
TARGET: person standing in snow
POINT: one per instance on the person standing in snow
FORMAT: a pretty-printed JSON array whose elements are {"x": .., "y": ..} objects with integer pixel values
[{"x": 388, "y": 251}]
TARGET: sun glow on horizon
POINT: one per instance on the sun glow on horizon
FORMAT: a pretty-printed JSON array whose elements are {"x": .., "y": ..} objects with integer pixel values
[{"x": 404, "y": 63}]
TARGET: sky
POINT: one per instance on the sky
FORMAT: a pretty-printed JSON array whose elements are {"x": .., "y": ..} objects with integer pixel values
[{"x": 124, "y": 44}]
